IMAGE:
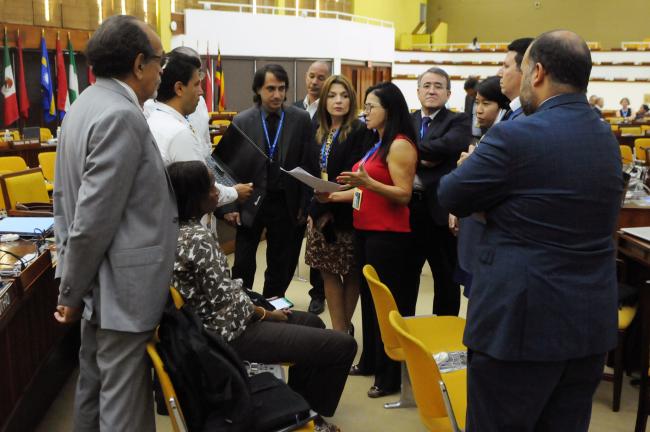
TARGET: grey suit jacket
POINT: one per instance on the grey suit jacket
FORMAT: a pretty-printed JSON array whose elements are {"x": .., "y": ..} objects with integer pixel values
[{"x": 116, "y": 220}]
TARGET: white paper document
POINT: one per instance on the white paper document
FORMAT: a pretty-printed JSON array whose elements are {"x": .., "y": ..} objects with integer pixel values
[
  {"x": 319, "y": 185},
  {"x": 641, "y": 232}
]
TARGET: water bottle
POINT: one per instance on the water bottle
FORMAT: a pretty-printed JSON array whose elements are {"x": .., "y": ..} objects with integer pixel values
[{"x": 7, "y": 136}]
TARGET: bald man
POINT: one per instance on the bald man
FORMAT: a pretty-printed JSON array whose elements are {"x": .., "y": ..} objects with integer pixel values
[
  {"x": 543, "y": 310},
  {"x": 315, "y": 77}
]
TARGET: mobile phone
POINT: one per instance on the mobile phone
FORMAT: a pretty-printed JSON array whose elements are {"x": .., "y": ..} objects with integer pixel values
[{"x": 281, "y": 303}]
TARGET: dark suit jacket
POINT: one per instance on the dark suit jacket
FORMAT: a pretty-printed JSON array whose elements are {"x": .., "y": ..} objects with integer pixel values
[
  {"x": 469, "y": 105},
  {"x": 343, "y": 155},
  {"x": 295, "y": 146},
  {"x": 449, "y": 134},
  {"x": 544, "y": 286},
  {"x": 314, "y": 119}
]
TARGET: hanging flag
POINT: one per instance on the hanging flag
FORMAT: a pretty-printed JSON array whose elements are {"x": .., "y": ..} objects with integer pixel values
[
  {"x": 9, "y": 88},
  {"x": 219, "y": 84},
  {"x": 23, "y": 99},
  {"x": 208, "y": 84},
  {"x": 62, "y": 104},
  {"x": 49, "y": 109},
  {"x": 91, "y": 75},
  {"x": 73, "y": 81}
]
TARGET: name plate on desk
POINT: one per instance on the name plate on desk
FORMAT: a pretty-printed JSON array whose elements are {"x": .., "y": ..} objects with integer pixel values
[{"x": 26, "y": 143}]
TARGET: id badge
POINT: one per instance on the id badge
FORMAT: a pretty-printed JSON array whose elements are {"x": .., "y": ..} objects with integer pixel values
[
  {"x": 356, "y": 199},
  {"x": 324, "y": 176}
]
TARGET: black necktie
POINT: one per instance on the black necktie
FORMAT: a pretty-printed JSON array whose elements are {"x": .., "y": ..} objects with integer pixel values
[
  {"x": 507, "y": 115},
  {"x": 272, "y": 125}
]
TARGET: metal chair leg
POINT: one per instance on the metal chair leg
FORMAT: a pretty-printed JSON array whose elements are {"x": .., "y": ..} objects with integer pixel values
[{"x": 406, "y": 394}]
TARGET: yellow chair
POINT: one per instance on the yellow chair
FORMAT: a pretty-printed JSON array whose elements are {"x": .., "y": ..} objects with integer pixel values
[
  {"x": 626, "y": 154},
  {"x": 171, "y": 400},
  {"x": 46, "y": 161},
  {"x": 615, "y": 120},
  {"x": 176, "y": 297},
  {"x": 438, "y": 333},
  {"x": 630, "y": 130},
  {"x": 614, "y": 127},
  {"x": 625, "y": 316},
  {"x": 12, "y": 163},
  {"x": 220, "y": 122},
  {"x": 46, "y": 134},
  {"x": 438, "y": 411},
  {"x": 641, "y": 145},
  {"x": 25, "y": 192},
  {"x": 216, "y": 140},
  {"x": 645, "y": 128}
]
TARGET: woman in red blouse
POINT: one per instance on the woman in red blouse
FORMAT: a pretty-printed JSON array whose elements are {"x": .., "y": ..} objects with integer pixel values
[{"x": 382, "y": 182}]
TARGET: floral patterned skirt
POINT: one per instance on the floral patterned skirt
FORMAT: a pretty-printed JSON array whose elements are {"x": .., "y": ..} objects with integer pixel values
[{"x": 336, "y": 257}]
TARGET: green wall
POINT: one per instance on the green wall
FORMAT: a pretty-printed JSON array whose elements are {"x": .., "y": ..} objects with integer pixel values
[{"x": 606, "y": 21}]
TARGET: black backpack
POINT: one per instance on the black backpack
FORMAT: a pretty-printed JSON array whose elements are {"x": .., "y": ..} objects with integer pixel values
[{"x": 212, "y": 385}]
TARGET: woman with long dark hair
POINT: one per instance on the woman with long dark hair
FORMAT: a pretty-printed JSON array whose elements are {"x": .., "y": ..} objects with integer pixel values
[
  {"x": 382, "y": 183},
  {"x": 330, "y": 234}
]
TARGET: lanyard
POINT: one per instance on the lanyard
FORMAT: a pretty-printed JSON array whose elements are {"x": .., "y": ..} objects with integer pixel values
[
  {"x": 370, "y": 153},
  {"x": 325, "y": 149},
  {"x": 273, "y": 146}
]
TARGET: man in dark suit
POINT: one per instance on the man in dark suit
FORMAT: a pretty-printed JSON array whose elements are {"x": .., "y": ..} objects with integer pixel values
[
  {"x": 285, "y": 134},
  {"x": 315, "y": 77},
  {"x": 544, "y": 296},
  {"x": 470, "y": 104},
  {"x": 510, "y": 73},
  {"x": 443, "y": 135}
]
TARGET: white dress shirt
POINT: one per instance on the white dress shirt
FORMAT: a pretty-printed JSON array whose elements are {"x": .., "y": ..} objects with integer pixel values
[
  {"x": 178, "y": 141},
  {"x": 310, "y": 108}
]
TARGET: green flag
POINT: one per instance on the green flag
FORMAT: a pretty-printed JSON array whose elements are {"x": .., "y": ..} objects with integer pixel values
[{"x": 73, "y": 81}]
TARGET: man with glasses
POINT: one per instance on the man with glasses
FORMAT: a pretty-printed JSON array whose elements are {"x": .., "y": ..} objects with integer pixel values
[
  {"x": 116, "y": 225},
  {"x": 442, "y": 136}
]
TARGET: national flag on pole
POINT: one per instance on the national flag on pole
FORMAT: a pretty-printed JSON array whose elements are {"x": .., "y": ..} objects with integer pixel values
[
  {"x": 219, "y": 84},
  {"x": 208, "y": 84},
  {"x": 73, "y": 80},
  {"x": 49, "y": 109},
  {"x": 9, "y": 88},
  {"x": 62, "y": 103},
  {"x": 23, "y": 99},
  {"x": 91, "y": 75}
]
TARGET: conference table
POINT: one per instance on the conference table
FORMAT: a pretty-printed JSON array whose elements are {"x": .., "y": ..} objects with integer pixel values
[
  {"x": 28, "y": 151},
  {"x": 37, "y": 354}
]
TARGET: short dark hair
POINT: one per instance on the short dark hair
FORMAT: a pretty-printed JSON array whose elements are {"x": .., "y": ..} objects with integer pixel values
[
  {"x": 490, "y": 89},
  {"x": 398, "y": 118},
  {"x": 191, "y": 183},
  {"x": 179, "y": 67},
  {"x": 260, "y": 76},
  {"x": 520, "y": 46},
  {"x": 438, "y": 71},
  {"x": 564, "y": 59},
  {"x": 114, "y": 46},
  {"x": 470, "y": 83}
]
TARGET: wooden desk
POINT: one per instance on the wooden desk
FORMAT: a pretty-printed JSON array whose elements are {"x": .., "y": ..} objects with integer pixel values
[
  {"x": 30, "y": 155},
  {"x": 636, "y": 253},
  {"x": 37, "y": 354},
  {"x": 632, "y": 215}
]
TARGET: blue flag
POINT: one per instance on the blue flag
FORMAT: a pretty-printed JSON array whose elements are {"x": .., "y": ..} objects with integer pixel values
[{"x": 49, "y": 109}]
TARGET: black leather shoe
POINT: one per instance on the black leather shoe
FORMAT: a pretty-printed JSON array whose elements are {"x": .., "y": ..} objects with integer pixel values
[
  {"x": 377, "y": 392},
  {"x": 356, "y": 370},
  {"x": 316, "y": 306}
]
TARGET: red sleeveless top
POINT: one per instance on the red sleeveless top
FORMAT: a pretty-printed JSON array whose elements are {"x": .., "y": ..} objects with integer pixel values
[{"x": 378, "y": 213}]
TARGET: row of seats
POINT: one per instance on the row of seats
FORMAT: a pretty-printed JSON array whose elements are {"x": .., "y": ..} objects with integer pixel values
[
  {"x": 641, "y": 147},
  {"x": 26, "y": 188},
  {"x": 45, "y": 135},
  {"x": 631, "y": 130}
]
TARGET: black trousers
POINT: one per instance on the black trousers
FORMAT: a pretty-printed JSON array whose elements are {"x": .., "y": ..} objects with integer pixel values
[
  {"x": 321, "y": 358},
  {"x": 280, "y": 231},
  {"x": 386, "y": 252},
  {"x": 437, "y": 245},
  {"x": 528, "y": 396},
  {"x": 317, "y": 290}
]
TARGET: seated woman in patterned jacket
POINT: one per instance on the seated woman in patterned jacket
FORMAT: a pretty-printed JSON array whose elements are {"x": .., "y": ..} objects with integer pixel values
[{"x": 321, "y": 358}]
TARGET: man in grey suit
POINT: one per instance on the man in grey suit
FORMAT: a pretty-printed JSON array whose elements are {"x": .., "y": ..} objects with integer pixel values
[
  {"x": 116, "y": 228},
  {"x": 542, "y": 313}
]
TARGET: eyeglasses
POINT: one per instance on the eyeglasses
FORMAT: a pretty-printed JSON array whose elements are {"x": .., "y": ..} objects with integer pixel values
[
  {"x": 162, "y": 58},
  {"x": 369, "y": 107}
]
